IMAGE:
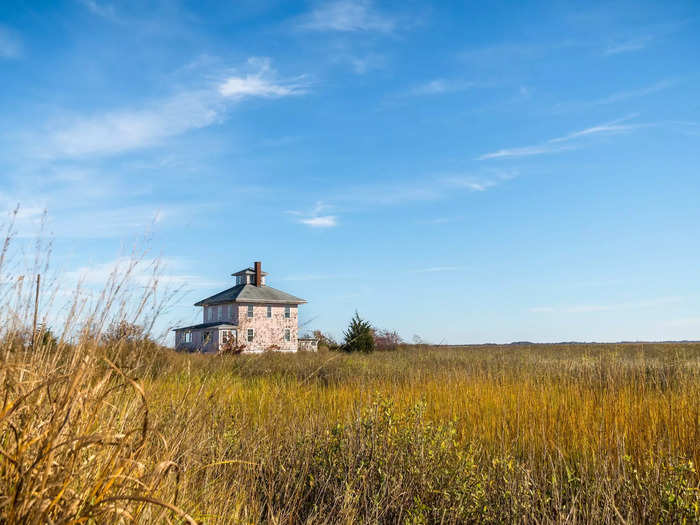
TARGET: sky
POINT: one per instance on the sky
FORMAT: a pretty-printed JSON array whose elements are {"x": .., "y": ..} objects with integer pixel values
[{"x": 465, "y": 172}]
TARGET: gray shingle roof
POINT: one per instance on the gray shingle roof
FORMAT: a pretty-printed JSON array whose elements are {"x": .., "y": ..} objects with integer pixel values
[
  {"x": 249, "y": 293},
  {"x": 206, "y": 325}
]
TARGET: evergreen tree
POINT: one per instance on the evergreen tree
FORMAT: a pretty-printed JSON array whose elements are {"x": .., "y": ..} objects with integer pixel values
[{"x": 359, "y": 336}]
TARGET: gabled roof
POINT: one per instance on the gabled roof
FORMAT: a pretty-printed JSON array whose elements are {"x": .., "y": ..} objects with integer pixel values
[
  {"x": 207, "y": 325},
  {"x": 249, "y": 293}
]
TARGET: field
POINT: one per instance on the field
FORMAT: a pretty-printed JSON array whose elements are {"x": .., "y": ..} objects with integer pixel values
[{"x": 539, "y": 434}]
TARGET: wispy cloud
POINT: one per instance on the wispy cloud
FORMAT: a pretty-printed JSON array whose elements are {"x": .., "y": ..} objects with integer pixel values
[
  {"x": 10, "y": 43},
  {"x": 322, "y": 221},
  {"x": 169, "y": 271},
  {"x": 316, "y": 217},
  {"x": 129, "y": 129},
  {"x": 262, "y": 83},
  {"x": 628, "y": 46},
  {"x": 430, "y": 188},
  {"x": 360, "y": 63},
  {"x": 441, "y": 86},
  {"x": 99, "y": 8},
  {"x": 613, "y": 127},
  {"x": 591, "y": 308},
  {"x": 481, "y": 182},
  {"x": 437, "y": 269},
  {"x": 613, "y": 98},
  {"x": 559, "y": 144},
  {"x": 525, "y": 151},
  {"x": 346, "y": 16},
  {"x": 634, "y": 93}
]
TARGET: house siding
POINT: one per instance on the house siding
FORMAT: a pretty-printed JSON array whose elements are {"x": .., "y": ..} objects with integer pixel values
[{"x": 268, "y": 331}]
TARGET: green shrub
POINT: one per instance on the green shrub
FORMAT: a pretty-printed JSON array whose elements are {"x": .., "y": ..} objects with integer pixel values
[{"x": 359, "y": 336}]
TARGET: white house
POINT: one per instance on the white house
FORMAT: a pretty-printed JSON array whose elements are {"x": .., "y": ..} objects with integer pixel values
[{"x": 250, "y": 315}]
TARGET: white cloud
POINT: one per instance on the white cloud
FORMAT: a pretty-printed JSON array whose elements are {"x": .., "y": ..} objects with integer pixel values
[
  {"x": 261, "y": 83},
  {"x": 481, "y": 182},
  {"x": 440, "y": 86},
  {"x": 609, "y": 128},
  {"x": 124, "y": 130},
  {"x": 98, "y": 8},
  {"x": 346, "y": 16},
  {"x": 634, "y": 93},
  {"x": 627, "y": 46},
  {"x": 524, "y": 151},
  {"x": 10, "y": 43},
  {"x": 119, "y": 131},
  {"x": 555, "y": 145},
  {"x": 314, "y": 218},
  {"x": 323, "y": 221},
  {"x": 437, "y": 269},
  {"x": 360, "y": 64},
  {"x": 169, "y": 271}
]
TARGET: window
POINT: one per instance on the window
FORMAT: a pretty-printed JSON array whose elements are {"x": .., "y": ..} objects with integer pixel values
[
  {"x": 221, "y": 312},
  {"x": 250, "y": 310},
  {"x": 210, "y": 313},
  {"x": 230, "y": 314},
  {"x": 206, "y": 336},
  {"x": 287, "y": 334},
  {"x": 187, "y": 337},
  {"x": 269, "y": 311},
  {"x": 251, "y": 333},
  {"x": 287, "y": 311}
]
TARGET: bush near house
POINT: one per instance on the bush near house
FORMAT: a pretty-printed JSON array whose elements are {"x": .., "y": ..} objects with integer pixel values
[
  {"x": 386, "y": 339},
  {"x": 359, "y": 336}
]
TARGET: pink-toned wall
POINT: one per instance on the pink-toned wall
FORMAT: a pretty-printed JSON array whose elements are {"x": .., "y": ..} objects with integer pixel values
[{"x": 268, "y": 331}]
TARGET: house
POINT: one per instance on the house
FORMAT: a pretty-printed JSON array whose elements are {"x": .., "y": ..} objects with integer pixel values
[{"x": 250, "y": 316}]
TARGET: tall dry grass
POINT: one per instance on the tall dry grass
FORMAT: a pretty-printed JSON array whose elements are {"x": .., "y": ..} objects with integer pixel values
[{"x": 129, "y": 431}]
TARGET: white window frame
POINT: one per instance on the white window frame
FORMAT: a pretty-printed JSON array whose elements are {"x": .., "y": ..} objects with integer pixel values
[
  {"x": 187, "y": 337},
  {"x": 287, "y": 334},
  {"x": 287, "y": 311},
  {"x": 250, "y": 335},
  {"x": 269, "y": 311},
  {"x": 251, "y": 311}
]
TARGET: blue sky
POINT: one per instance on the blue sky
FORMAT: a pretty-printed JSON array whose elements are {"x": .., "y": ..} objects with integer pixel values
[{"x": 467, "y": 172}]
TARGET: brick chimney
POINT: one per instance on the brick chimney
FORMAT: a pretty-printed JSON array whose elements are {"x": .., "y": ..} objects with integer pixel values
[{"x": 258, "y": 273}]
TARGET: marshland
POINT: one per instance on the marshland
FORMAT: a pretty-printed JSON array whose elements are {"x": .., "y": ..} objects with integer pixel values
[{"x": 101, "y": 425}]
